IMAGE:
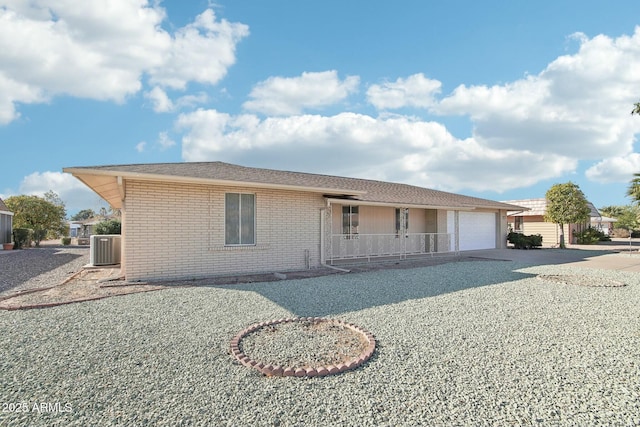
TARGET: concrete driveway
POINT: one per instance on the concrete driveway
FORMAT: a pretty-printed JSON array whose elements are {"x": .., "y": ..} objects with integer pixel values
[{"x": 619, "y": 254}]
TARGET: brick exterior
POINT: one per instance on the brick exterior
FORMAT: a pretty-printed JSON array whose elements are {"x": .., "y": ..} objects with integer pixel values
[
  {"x": 176, "y": 231},
  {"x": 173, "y": 216}
]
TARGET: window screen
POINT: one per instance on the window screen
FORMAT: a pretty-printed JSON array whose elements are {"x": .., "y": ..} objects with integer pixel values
[{"x": 240, "y": 219}]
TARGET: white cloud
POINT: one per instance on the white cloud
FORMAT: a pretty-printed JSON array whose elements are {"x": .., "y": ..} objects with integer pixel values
[
  {"x": 414, "y": 91},
  {"x": 164, "y": 141},
  {"x": 201, "y": 52},
  {"x": 293, "y": 95},
  {"x": 15, "y": 92},
  {"x": 537, "y": 128},
  {"x": 396, "y": 149},
  {"x": 160, "y": 100},
  {"x": 101, "y": 50},
  {"x": 616, "y": 169},
  {"x": 73, "y": 193},
  {"x": 81, "y": 48},
  {"x": 577, "y": 107},
  {"x": 189, "y": 101},
  {"x": 161, "y": 103}
]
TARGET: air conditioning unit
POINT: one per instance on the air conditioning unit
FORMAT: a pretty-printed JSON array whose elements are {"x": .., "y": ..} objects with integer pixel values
[{"x": 104, "y": 249}]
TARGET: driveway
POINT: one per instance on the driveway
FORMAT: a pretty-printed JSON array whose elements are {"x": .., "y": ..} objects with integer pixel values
[{"x": 619, "y": 254}]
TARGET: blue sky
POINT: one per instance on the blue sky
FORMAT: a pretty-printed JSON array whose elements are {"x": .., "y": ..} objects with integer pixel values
[{"x": 496, "y": 99}]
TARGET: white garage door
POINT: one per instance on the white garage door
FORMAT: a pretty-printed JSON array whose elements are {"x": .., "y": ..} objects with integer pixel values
[{"x": 477, "y": 230}]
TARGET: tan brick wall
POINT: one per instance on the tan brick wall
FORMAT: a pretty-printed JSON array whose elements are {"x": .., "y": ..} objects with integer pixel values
[{"x": 176, "y": 231}]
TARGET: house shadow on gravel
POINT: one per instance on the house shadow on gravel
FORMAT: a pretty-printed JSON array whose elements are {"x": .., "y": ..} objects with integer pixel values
[
  {"x": 545, "y": 256},
  {"x": 22, "y": 265},
  {"x": 345, "y": 292}
]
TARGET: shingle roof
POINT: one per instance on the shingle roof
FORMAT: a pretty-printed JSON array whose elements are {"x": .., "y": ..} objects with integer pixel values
[
  {"x": 334, "y": 186},
  {"x": 536, "y": 207},
  {"x": 539, "y": 207}
]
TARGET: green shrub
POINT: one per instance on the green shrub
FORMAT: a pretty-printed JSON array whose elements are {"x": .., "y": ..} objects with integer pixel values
[
  {"x": 21, "y": 238},
  {"x": 591, "y": 236},
  {"x": 66, "y": 241},
  {"x": 110, "y": 226},
  {"x": 38, "y": 235},
  {"x": 521, "y": 241}
]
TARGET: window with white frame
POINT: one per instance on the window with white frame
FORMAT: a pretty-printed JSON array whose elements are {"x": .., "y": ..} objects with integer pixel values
[
  {"x": 519, "y": 223},
  {"x": 239, "y": 219},
  {"x": 350, "y": 219}
]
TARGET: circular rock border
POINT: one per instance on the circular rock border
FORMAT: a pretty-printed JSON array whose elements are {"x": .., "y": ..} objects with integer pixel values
[
  {"x": 579, "y": 280},
  {"x": 314, "y": 371}
]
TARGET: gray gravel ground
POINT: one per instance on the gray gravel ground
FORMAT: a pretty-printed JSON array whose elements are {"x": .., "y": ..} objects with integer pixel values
[
  {"x": 39, "y": 267},
  {"x": 464, "y": 343}
]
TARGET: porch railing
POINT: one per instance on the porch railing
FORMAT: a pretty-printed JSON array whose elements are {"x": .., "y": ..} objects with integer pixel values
[{"x": 353, "y": 246}]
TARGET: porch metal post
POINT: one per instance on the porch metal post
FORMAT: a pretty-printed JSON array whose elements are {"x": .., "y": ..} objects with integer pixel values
[
  {"x": 456, "y": 221},
  {"x": 404, "y": 232}
]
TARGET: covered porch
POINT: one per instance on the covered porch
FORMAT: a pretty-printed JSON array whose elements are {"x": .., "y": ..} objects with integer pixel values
[{"x": 353, "y": 230}]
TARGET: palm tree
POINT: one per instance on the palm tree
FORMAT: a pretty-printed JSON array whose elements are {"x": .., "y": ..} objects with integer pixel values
[
  {"x": 612, "y": 211},
  {"x": 634, "y": 188}
]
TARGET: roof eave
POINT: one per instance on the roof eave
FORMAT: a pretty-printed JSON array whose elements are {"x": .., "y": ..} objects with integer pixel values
[
  {"x": 411, "y": 205},
  {"x": 79, "y": 172}
]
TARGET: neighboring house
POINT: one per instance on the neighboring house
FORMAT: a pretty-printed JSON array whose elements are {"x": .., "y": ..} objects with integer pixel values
[
  {"x": 86, "y": 228},
  {"x": 604, "y": 224},
  {"x": 532, "y": 222},
  {"x": 6, "y": 223},
  {"x": 74, "y": 228},
  {"x": 182, "y": 220}
]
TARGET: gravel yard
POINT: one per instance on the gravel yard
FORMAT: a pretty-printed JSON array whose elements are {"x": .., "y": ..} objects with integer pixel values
[
  {"x": 462, "y": 343},
  {"x": 39, "y": 267}
]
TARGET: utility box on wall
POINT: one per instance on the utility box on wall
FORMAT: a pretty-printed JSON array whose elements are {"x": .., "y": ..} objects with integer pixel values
[{"x": 104, "y": 249}]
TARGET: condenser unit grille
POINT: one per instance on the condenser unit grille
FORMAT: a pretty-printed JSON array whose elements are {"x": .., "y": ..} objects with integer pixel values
[{"x": 104, "y": 249}]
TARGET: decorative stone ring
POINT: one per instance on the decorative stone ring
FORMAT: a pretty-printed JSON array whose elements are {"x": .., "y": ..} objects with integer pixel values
[{"x": 361, "y": 349}]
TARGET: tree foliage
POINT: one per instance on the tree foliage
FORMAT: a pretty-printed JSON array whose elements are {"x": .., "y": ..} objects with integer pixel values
[
  {"x": 39, "y": 214},
  {"x": 83, "y": 214},
  {"x": 110, "y": 226},
  {"x": 627, "y": 216},
  {"x": 633, "y": 190},
  {"x": 612, "y": 211},
  {"x": 53, "y": 198},
  {"x": 636, "y": 108},
  {"x": 566, "y": 204}
]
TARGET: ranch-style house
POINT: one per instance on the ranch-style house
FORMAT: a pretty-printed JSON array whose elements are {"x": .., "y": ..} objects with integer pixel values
[{"x": 192, "y": 220}]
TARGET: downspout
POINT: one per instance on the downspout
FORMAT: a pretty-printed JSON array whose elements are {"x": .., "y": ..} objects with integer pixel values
[
  {"x": 123, "y": 228},
  {"x": 323, "y": 256},
  {"x": 333, "y": 267}
]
